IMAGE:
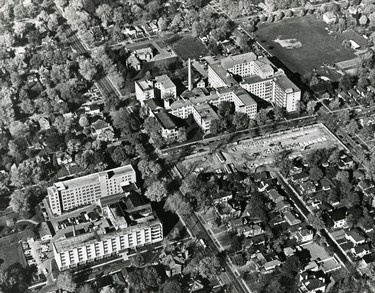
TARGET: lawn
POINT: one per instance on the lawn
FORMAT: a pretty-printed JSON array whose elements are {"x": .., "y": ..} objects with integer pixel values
[
  {"x": 10, "y": 254},
  {"x": 189, "y": 47},
  {"x": 303, "y": 43}
]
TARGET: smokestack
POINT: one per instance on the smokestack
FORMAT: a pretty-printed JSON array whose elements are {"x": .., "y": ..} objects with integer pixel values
[{"x": 189, "y": 75}]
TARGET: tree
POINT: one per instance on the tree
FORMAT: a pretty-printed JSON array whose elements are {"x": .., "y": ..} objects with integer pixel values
[
  {"x": 27, "y": 173},
  {"x": 83, "y": 121},
  {"x": 216, "y": 127},
  {"x": 315, "y": 173},
  {"x": 87, "y": 69},
  {"x": 105, "y": 13},
  {"x": 241, "y": 121},
  {"x": 65, "y": 281},
  {"x": 262, "y": 117},
  {"x": 172, "y": 285},
  {"x": 18, "y": 129},
  {"x": 24, "y": 200},
  {"x": 179, "y": 205},
  {"x": 124, "y": 121},
  {"x": 310, "y": 107},
  {"x": 118, "y": 155},
  {"x": 157, "y": 191},
  {"x": 343, "y": 176},
  {"x": 16, "y": 278},
  {"x": 315, "y": 221},
  {"x": 208, "y": 267},
  {"x": 86, "y": 288},
  {"x": 149, "y": 169}
]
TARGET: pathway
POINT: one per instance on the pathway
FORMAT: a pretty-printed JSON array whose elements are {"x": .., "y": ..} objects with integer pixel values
[{"x": 28, "y": 221}]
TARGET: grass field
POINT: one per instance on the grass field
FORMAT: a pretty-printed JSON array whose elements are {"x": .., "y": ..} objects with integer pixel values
[
  {"x": 10, "y": 254},
  {"x": 317, "y": 45},
  {"x": 189, "y": 47}
]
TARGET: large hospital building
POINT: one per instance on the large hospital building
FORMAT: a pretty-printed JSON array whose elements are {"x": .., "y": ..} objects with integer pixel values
[{"x": 69, "y": 194}]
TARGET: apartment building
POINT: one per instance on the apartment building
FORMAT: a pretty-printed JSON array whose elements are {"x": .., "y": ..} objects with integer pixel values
[{"x": 66, "y": 195}]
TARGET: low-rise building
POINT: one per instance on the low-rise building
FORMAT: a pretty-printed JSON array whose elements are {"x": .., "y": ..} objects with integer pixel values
[
  {"x": 172, "y": 128},
  {"x": 356, "y": 236}
]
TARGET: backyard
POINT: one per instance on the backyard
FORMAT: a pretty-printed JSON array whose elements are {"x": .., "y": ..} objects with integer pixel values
[{"x": 309, "y": 46}]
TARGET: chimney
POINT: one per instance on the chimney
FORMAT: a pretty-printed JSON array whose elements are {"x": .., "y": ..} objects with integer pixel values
[{"x": 189, "y": 75}]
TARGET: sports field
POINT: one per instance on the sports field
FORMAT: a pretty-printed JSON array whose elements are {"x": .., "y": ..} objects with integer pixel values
[
  {"x": 304, "y": 43},
  {"x": 189, "y": 47}
]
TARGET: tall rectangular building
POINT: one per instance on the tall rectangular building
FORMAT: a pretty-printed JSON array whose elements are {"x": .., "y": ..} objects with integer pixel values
[
  {"x": 96, "y": 245},
  {"x": 66, "y": 195}
]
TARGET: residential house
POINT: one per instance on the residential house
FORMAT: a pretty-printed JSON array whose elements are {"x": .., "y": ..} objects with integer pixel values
[
  {"x": 300, "y": 177},
  {"x": 291, "y": 219},
  {"x": 307, "y": 187},
  {"x": 346, "y": 163},
  {"x": 304, "y": 235},
  {"x": 133, "y": 62},
  {"x": 361, "y": 250},
  {"x": 271, "y": 265},
  {"x": 282, "y": 206},
  {"x": 329, "y": 17},
  {"x": 325, "y": 184},
  {"x": 259, "y": 176},
  {"x": 313, "y": 282},
  {"x": 275, "y": 196},
  {"x": 354, "y": 94},
  {"x": 338, "y": 218},
  {"x": 221, "y": 197},
  {"x": 356, "y": 236},
  {"x": 102, "y": 130}
]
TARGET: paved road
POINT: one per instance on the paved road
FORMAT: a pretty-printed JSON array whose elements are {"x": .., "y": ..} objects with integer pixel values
[
  {"x": 198, "y": 230},
  {"x": 306, "y": 212}
]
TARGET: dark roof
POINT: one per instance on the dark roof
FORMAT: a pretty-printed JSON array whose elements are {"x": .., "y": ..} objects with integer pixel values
[
  {"x": 301, "y": 175},
  {"x": 362, "y": 247},
  {"x": 167, "y": 120},
  {"x": 338, "y": 214},
  {"x": 153, "y": 104}
]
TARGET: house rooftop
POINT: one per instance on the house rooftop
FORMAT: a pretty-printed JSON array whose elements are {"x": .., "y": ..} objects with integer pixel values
[{"x": 338, "y": 214}]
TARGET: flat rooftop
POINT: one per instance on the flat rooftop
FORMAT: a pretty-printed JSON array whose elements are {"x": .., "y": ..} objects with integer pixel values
[
  {"x": 93, "y": 178},
  {"x": 88, "y": 238},
  {"x": 165, "y": 81},
  {"x": 145, "y": 84},
  {"x": 206, "y": 112},
  {"x": 285, "y": 83},
  {"x": 224, "y": 75},
  {"x": 231, "y": 61}
]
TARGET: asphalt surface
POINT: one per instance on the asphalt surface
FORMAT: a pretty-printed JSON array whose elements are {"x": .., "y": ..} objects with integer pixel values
[
  {"x": 198, "y": 230},
  {"x": 302, "y": 207}
]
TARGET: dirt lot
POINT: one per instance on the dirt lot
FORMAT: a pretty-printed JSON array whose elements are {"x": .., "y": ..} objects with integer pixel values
[{"x": 249, "y": 154}]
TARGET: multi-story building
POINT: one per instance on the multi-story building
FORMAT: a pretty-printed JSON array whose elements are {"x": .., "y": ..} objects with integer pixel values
[
  {"x": 164, "y": 87},
  {"x": 126, "y": 223},
  {"x": 144, "y": 90},
  {"x": 66, "y": 195},
  {"x": 259, "y": 77},
  {"x": 204, "y": 114},
  {"x": 171, "y": 129},
  {"x": 241, "y": 65},
  {"x": 95, "y": 245},
  {"x": 286, "y": 94}
]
